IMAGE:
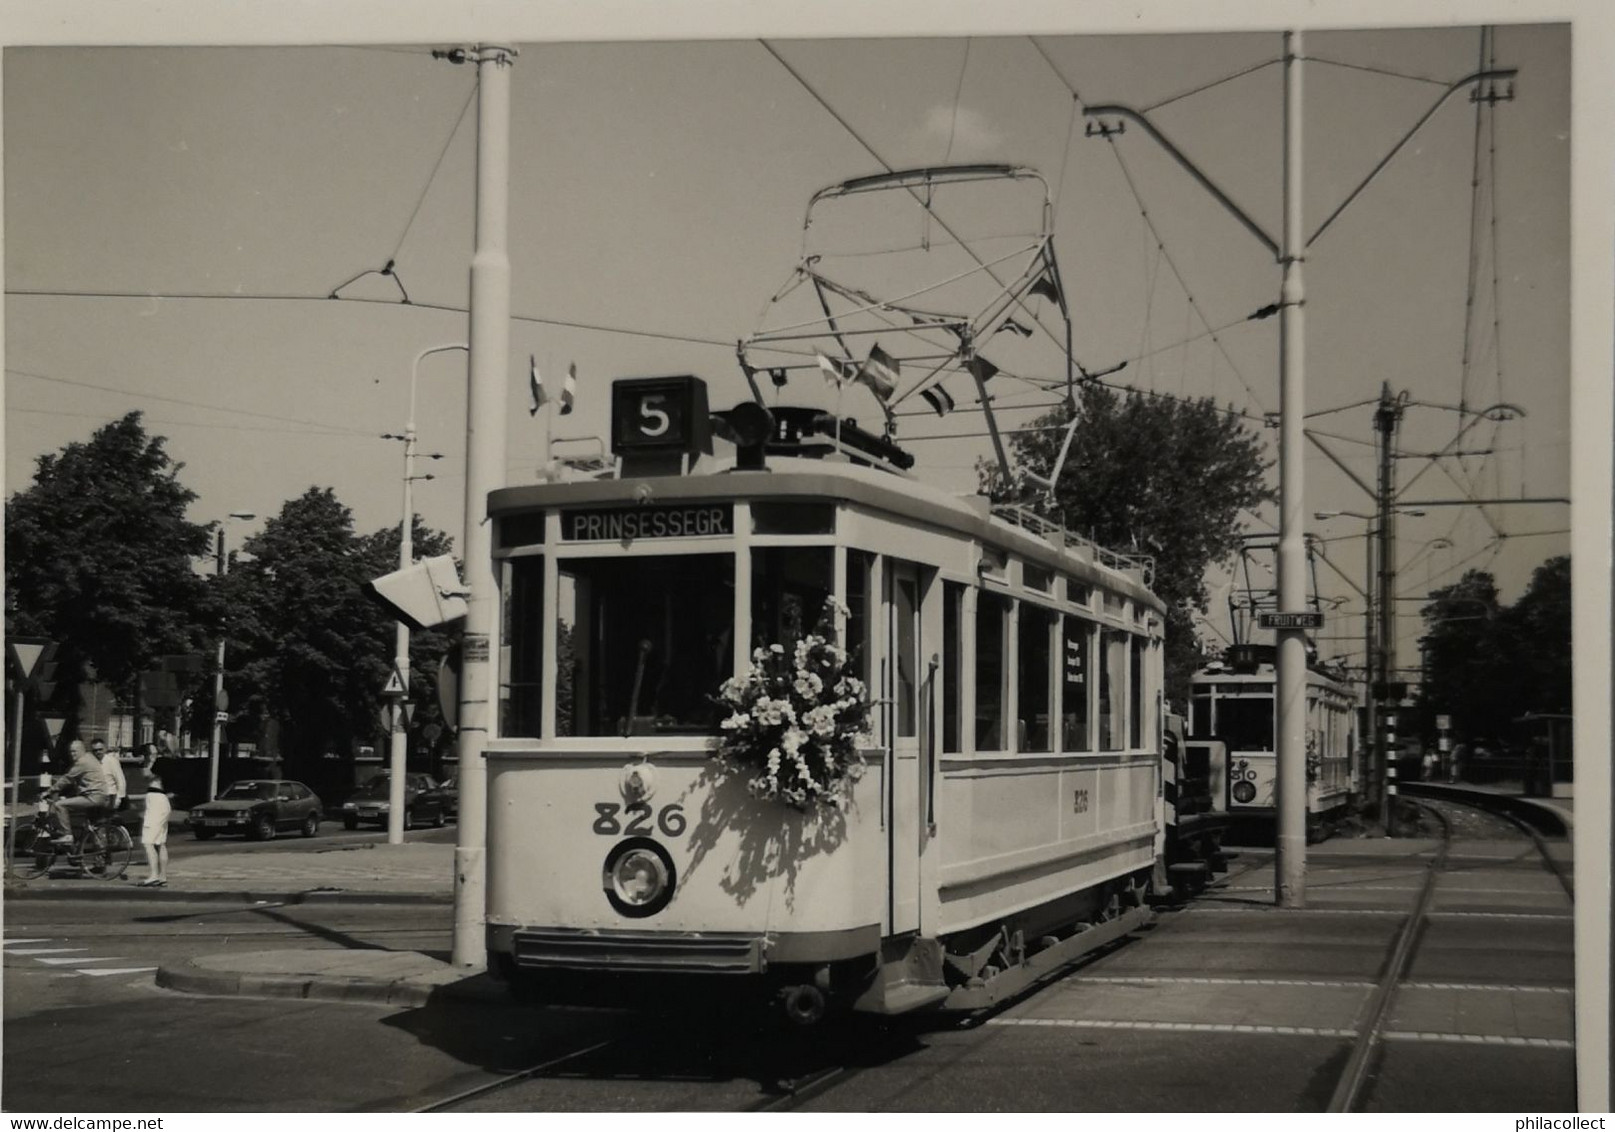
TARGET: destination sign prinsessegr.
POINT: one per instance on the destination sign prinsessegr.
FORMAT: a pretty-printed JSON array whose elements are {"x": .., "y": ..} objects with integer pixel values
[{"x": 624, "y": 524}]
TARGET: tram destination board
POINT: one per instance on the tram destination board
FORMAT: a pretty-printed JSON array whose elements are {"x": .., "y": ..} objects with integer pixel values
[
  {"x": 1309, "y": 620},
  {"x": 624, "y": 524}
]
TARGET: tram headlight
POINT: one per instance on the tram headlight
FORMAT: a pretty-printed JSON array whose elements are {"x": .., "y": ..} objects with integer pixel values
[
  {"x": 639, "y": 878},
  {"x": 1244, "y": 792}
]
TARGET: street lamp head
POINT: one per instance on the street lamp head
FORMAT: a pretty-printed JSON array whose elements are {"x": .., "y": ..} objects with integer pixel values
[{"x": 243, "y": 515}]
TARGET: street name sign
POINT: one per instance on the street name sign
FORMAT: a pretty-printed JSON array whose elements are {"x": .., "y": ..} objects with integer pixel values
[{"x": 1309, "y": 620}]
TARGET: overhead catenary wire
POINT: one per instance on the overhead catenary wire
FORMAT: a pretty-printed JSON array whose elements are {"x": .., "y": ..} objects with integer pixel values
[
  {"x": 203, "y": 296},
  {"x": 322, "y": 426}
]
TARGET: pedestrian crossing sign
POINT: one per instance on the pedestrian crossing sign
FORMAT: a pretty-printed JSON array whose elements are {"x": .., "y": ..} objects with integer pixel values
[{"x": 395, "y": 684}]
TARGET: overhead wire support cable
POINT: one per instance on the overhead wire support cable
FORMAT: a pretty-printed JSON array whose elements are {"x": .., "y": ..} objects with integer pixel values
[
  {"x": 1490, "y": 75},
  {"x": 1201, "y": 89},
  {"x": 432, "y": 176}
]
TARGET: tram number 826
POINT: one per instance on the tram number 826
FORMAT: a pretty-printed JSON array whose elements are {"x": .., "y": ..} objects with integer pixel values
[{"x": 669, "y": 819}]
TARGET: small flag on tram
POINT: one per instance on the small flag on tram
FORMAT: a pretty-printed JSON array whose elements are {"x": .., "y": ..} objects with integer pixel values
[
  {"x": 981, "y": 369},
  {"x": 535, "y": 387},
  {"x": 880, "y": 373},
  {"x": 939, "y": 399},
  {"x": 569, "y": 388},
  {"x": 1047, "y": 286},
  {"x": 834, "y": 372}
]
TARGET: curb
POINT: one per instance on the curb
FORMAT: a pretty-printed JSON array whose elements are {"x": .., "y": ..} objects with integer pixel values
[
  {"x": 190, "y": 979},
  {"x": 225, "y": 896}
]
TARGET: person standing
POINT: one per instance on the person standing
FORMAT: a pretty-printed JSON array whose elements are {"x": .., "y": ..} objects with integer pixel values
[
  {"x": 112, "y": 770},
  {"x": 82, "y": 788},
  {"x": 154, "y": 834}
]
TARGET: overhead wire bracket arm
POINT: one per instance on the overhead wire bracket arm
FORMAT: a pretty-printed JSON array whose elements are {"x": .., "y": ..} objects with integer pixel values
[
  {"x": 1339, "y": 463},
  {"x": 1189, "y": 167},
  {"x": 1477, "y": 77}
]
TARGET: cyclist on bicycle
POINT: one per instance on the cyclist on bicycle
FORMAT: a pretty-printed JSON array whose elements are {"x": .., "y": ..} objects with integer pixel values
[{"x": 86, "y": 782}]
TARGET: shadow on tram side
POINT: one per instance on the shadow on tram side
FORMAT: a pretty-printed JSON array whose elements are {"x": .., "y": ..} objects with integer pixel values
[{"x": 768, "y": 849}]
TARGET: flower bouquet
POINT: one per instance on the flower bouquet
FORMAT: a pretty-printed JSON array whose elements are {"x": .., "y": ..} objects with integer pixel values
[{"x": 796, "y": 721}]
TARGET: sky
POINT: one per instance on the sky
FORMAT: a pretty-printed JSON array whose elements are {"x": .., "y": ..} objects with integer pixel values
[{"x": 176, "y": 219}]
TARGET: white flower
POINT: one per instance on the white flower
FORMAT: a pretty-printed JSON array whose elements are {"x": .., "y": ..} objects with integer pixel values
[{"x": 777, "y": 649}]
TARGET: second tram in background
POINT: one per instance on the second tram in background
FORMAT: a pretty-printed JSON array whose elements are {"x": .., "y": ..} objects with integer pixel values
[{"x": 1232, "y": 706}]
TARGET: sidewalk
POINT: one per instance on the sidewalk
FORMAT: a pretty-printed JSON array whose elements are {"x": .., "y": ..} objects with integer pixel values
[
  {"x": 384, "y": 978},
  {"x": 412, "y": 873}
]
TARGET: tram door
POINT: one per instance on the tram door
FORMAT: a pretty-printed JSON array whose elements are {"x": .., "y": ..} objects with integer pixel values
[{"x": 904, "y": 679}]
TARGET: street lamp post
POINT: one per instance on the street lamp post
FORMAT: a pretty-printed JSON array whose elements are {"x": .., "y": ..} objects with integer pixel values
[
  {"x": 399, "y": 738},
  {"x": 220, "y": 701}
]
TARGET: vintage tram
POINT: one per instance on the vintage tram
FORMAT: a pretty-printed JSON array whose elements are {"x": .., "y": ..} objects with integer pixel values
[
  {"x": 1010, "y": 813},
  {"x": 1232, "y": 709}
]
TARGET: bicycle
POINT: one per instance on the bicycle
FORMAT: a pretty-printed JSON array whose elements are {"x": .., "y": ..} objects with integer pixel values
[{"x": 103, "y": 848}]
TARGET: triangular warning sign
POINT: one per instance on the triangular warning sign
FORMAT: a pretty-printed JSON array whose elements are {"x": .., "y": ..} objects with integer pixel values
[
  {"x": 27, "y": 656},
  {"x": 395, "y": 685}
]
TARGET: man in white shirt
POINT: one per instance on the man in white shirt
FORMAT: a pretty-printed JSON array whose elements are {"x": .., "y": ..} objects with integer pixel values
[{"x": 112, "y": 771}]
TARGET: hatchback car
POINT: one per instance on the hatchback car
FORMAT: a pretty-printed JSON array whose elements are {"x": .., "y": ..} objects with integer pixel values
[
  {"x": 259, "y": 808},
  {"x": 424, "y": 803}
]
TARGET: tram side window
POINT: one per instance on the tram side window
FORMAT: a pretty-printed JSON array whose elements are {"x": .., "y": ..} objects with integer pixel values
[
  {"x": 860, "y": 627},
  {"x": 1112, "y": 689},
  {"x": 1135, "y": 693},
  {"x": 521, "y": 693},
  {"x": 992, "y": 674},
  {"x": 643, "y": 644},
  {"x": 953, "y": 596},
  {"x": 1078, "y": 709},
  {"x": 1035, "y": 699},
  {"x": 789, "y": 589}
]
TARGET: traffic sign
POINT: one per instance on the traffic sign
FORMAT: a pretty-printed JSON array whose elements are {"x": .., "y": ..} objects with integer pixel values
[
  {"x": 395, "y": 685},
  {"x": 1309, "y": 620},
  {"x": 1443, "y": 723},
  {"x": 221, "y": 717}
]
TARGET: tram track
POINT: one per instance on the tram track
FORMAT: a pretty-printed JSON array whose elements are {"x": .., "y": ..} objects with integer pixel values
[{"x": 1350, "y": 1088}]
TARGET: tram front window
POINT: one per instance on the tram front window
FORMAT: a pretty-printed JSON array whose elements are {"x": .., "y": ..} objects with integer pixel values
[
  {"x": 1246, "y": 724},
  {"x": 644, "y": 643}
]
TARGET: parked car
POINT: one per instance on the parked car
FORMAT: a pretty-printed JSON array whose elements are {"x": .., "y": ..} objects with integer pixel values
[
  {"x": 424, "y": 803},
  {"x": 450, "y": 789},
  {"x": 259, "y": 808}
]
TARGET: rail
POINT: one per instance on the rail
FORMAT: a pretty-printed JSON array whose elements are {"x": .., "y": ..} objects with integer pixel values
[{"x": 1056, "y": 534}]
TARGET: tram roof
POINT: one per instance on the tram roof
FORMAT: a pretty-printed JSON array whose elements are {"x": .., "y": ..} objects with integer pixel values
[{"x": 797, "y": 478}]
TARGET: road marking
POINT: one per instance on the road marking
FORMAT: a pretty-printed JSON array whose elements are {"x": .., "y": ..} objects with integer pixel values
[
  {"x": 45, "y": 950},
  {"x": 1286, "y": 1031},
  {"x": 1199, "y": 981},
  {"x": 1505, "y": 915},
  {"x": 1489, "y": 988},
  {"x": 80, "y": 959},
  {"x": 99, "y": 971},
  {"x": 1176, "y": 1027},
  {"x": 1476, "y": 1039},
  {"x": 13, "y": 942}
]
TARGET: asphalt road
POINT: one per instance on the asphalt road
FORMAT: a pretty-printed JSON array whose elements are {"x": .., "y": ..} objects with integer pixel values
[{"x": 1228, "y": 1005}]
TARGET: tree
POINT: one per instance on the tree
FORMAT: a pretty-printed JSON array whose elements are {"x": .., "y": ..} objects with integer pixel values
[
  {"x": 99, "y": 554},
  {"x": 1487, "y": 664},
  {"x": 1155, "y": 476},
  {"x": 304, "y": 636}
]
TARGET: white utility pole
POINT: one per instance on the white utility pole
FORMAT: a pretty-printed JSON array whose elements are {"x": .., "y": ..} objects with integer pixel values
[
  {"x": 484, "y": 471},
  {"x": 406, "y": 557},
  {"x": 1289, "y": 864},
  {"x": 1290, "y": 841},
  {"x": 221, "y": 702}
]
